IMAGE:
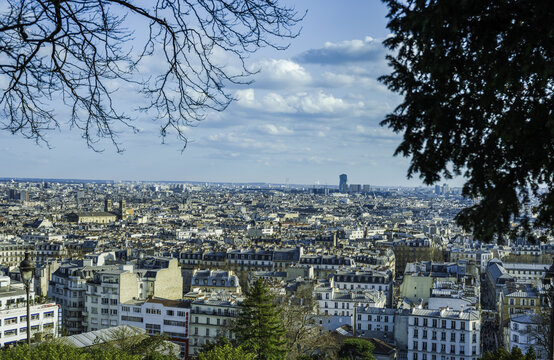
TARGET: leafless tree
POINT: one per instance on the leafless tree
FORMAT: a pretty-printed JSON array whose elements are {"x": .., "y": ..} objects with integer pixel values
[{"x": 80, "y": 52}]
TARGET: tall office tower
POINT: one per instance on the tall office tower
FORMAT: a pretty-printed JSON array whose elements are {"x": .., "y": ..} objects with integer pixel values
[
  {"x": 24, "y": 196},
  {"x": 343, "y": 183},
  {"x": 122, "y": 208},
  {"x": 438, "y": 189},
  {"x": 107, "y": 205}
]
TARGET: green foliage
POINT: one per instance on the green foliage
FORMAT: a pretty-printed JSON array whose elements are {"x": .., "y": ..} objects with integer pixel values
[
  {"x": 227, "y": 352},
  {"x": 477, "y": 78},
  {"x": 128, "y": 348},
  {"x": 356, "y": 349},
  {"x": 503, "y": 354},
  {"x": 57, "y": 351},
  {"x": 258, "y": 328}
]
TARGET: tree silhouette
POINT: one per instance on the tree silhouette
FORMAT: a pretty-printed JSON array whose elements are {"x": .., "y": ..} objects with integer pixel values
[
  {"x": 80, "y": 53},
  {"x": 477, "y": 79}
]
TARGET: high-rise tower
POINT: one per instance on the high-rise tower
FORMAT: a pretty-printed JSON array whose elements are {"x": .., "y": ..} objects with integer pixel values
[{"x": 343, "y": 183}]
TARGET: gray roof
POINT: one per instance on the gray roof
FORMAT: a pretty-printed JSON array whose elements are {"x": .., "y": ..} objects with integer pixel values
[{"x": 100, "y": 336}]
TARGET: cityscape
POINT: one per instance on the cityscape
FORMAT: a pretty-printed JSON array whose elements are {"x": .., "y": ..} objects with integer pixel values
[
  {"x": 380, "y": 263},
  {"x": 276, "y": 180}
]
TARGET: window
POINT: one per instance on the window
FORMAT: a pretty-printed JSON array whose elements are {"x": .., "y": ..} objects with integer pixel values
[
  {"x": 443, "y": 348},
  {"x": 416, "y": 333},
  {"x": 113, "y": 302},
  {"x": 125, "y": 308},
  {"x": 131, "y": 318},
  {"x": 444, "y": 324},
  {"x": 474, "y": 338},
  {"x": 105, "y": 311},
  {"x": 433, "y": 347},
  {"x": 424, "y": 348},
  {"x": 452, "y": 336},
  {"x": 463, "y": 325},
  {"x": 443, "y": 336},
  {"x": 462, "y": 338},
  {"x": 169, "y": 312},
  {"x": 435, "y": 323},
  {"x": 105, "y": 301},
  {"x": 452, "y": 324},
  {"x": 452, "y": 349},
  {"x": 425, "y": 334},
  {"x": 416, "y": 321},
  {"x": 434, "y": 336},
  {"x": 424, "y": 322},
  {"x": 415, "y": 345},
  {"x": 181, "y": 313},
  {"x": 137, "y": 309},
  {"x": 10, "y": 321}
]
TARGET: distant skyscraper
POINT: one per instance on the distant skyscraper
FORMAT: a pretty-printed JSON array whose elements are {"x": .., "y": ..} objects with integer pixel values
[
  {"x": 122, "y": 209},
  {"x": 107, "y": 205},
  {"x": 438, "y": 189},
  {"x": 343, "y": 183}
]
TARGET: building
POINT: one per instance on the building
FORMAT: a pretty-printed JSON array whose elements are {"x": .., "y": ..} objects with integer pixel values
[
  {"x": 444, "y": 334},
  {"x": 159, "y": 316},
  {"x": 45, "y": 318},
  {"x": 374, "y": 322},
  {"x": 215, "y": 280},
  {"x": 91, "y": 217},
  {"x": 343, "y": 183},
  {"x": 522, "y": 332},
  {"x": 154, "y": 278},
  {"x": 211, "y": 316}
]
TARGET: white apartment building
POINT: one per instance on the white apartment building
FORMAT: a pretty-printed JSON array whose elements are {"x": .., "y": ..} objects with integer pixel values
[
  {"x": 444, "y": 335},
  {"x": 210, "y": 317},
  {"x": 373, "y": 322},
  {"x": 365, "y": 279},
  {"x": 109, "y": 289},
  {"x": 522, "y": 333},
  {"x": 337, "y": 305},
  {"x": 13, "y": 316},
  {"x": 532, "y": 273},
  {"x": 159, "y": 316}
]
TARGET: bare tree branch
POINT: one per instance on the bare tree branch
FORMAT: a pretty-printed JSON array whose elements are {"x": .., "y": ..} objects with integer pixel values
[{"x": 79, "y": 52}]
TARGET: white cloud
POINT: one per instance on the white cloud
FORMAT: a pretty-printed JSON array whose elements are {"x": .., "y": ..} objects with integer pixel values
[{"x": 282, "y": 74}]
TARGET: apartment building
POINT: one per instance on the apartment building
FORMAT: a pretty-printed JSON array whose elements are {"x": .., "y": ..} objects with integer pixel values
[
  {"x": 211, "y": 316},
  {"x": 13, "y": 316},
  {"x": 444, "y": 334},
  {"x": 367, "y": 279},
  {"x": 522, "y": 332},
  {"x": 374, "y": 322},
  {"x": 215, "y": 280},
  {"x": 159, "y": 316},
  {"x": 156, "y": 278}
]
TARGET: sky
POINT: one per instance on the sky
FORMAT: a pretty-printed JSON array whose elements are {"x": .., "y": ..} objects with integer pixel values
[{"x": 312, "y": 113}]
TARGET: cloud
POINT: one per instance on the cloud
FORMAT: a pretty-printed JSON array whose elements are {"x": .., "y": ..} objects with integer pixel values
[
  {"x": 271, "y": 129},
  {"x": 282, "y": 74},
  {"x": 347, "y": 51},
  {"x": 297, "y": 103}
]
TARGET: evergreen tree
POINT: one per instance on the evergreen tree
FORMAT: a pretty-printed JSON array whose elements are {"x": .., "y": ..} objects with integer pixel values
[{"x": 258, "y": 328}]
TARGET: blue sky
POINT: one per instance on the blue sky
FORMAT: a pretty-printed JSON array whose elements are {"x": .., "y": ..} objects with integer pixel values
[{"x": 312, "y": 113}]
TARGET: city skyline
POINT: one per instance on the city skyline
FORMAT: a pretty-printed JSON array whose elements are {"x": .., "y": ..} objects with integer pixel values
[{"x": 311, "y": 114}]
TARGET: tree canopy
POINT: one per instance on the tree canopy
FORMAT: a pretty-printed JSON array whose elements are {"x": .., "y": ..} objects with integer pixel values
[
  {"x": 258, "y": 328},
  {"x": 356, "y": 349},
  {"x": 477, "y": 77},
  {"x": 54, "y": 350},
  {"x": 80, "y": 53}
]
